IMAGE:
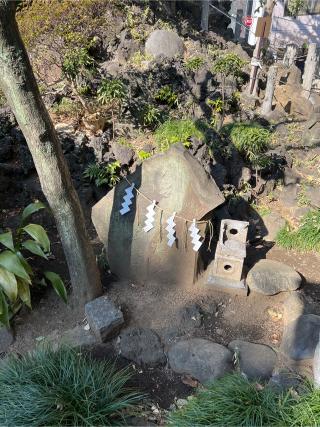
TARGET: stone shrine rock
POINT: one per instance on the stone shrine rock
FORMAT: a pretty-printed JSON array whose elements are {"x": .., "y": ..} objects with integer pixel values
[{"x": 179, "y": 184}]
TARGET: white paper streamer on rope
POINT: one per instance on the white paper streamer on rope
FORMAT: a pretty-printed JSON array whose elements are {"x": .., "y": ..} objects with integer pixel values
[
  {"x": 127, "y": 200},
  {"x": 195, "y": 234},
  {"x": 170, "y": 229},
  {"x": 149, "y": 222}
]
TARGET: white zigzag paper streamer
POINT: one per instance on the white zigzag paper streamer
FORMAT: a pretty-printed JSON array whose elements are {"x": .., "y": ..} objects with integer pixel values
[
  {"x": 127, "y": 200},
  {"x": 150, "y": 217},
  {"x": 170, "y": 229},
  {"x": 196, "y": 238}
]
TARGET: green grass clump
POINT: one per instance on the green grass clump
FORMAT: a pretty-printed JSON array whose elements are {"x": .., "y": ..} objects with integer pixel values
[
  {"x": 234, "y": 401},
  {"x": 306, "y": 411},
  {"x": 305, "y": 238},
  {"x": 173, "y": 131},
  {"x": 63, "y": 388},
  {"x": 250, "y": 139}
]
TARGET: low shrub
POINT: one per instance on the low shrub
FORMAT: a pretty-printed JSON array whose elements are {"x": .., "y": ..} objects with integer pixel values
[
  {"x": 235, "y": 401},
  {"x": 173, "y": 131},
  {"x": 194, "y": 63},
  {"x": 305, "y": 238},
  {"x": 250, "y": 139},
  {"x": 63, "y": 387}
]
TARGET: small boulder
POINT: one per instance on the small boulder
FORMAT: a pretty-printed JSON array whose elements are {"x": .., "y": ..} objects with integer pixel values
[
  {"x": 142, "y": 346},
  {"x": 256, "y": 361},
  {"x": 301, "y": 337},
  {"x": 164, "y": 42},
  {"x": 200, "y": 358},
  {"x": 104, "y": 318},
  {"x": 75, "y": 337},
  {"x": 270, "y": 277},
  {"x": 273, "y": 223},
  {"x": 190, "y": 317},
  {"x": 6, "y": 339},
  {"x": 122, "y": 153}
]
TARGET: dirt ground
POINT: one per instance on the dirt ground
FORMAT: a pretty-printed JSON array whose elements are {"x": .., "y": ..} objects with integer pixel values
[{"x": 224, "y": 316}]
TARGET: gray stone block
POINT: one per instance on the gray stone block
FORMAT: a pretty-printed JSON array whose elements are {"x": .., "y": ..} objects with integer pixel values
[{"x": 104, "y": 318}]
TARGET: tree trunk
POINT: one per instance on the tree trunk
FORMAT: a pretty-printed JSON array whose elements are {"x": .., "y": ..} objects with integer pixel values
[
  {"x": 271, "y": 80},
  {"x": 21, "y": 90},
  {"x": 309, "y": 69}
]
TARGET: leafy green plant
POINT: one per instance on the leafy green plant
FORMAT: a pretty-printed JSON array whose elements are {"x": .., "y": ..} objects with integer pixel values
[
  {"x": 112, "y": 92},
  {"x": 305, "y": 238},
  {"x": 16, "y": 274},
  {"x": 167, "y": 96},
  {"x": 235, "y": 401},
  {"x": 194, "y": 63},
  {"x": 262, "y": 210},
  {"x": 143, "y": 155},
  {"x": 173, "y": 131},
  {"x": 227, "y": 64},
  {"x": 151, "y": 116},
  {"x": 217, "y": 108},
  {"x": 295, "y": 6},
  {"x": 63, "y": 388},
  {"x": 103, "y": 175},
  {"x": 75, "y": 61},
  {"x": 250, "y": 139}
]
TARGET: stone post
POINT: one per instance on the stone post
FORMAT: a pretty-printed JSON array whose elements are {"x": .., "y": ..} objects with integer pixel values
[
  {"x": 309, "y": 69},
  {"x": 290, "y": 55},
  {"x": 271, "y": 80},
  {"x": 205, "y": 15}
]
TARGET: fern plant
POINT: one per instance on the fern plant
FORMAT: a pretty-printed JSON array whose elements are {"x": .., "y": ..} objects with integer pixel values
[
  {"x": 103, "y": 175},
  {"x": 151, "y": 116},
  {"x": 16, "y": 273},
  {"x": 167, "y": 96}
]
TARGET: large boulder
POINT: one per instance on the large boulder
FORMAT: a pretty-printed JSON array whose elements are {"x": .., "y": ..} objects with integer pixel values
[
  {"x": 164, "y": 42},
  {"x": 270, "y": 277},
  {"x": 179, "y": 184},
  {"x": 200, "y": 358}
]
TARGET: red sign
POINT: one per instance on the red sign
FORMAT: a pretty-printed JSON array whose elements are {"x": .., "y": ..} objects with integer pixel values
[{"x": 248, "y": 21}]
